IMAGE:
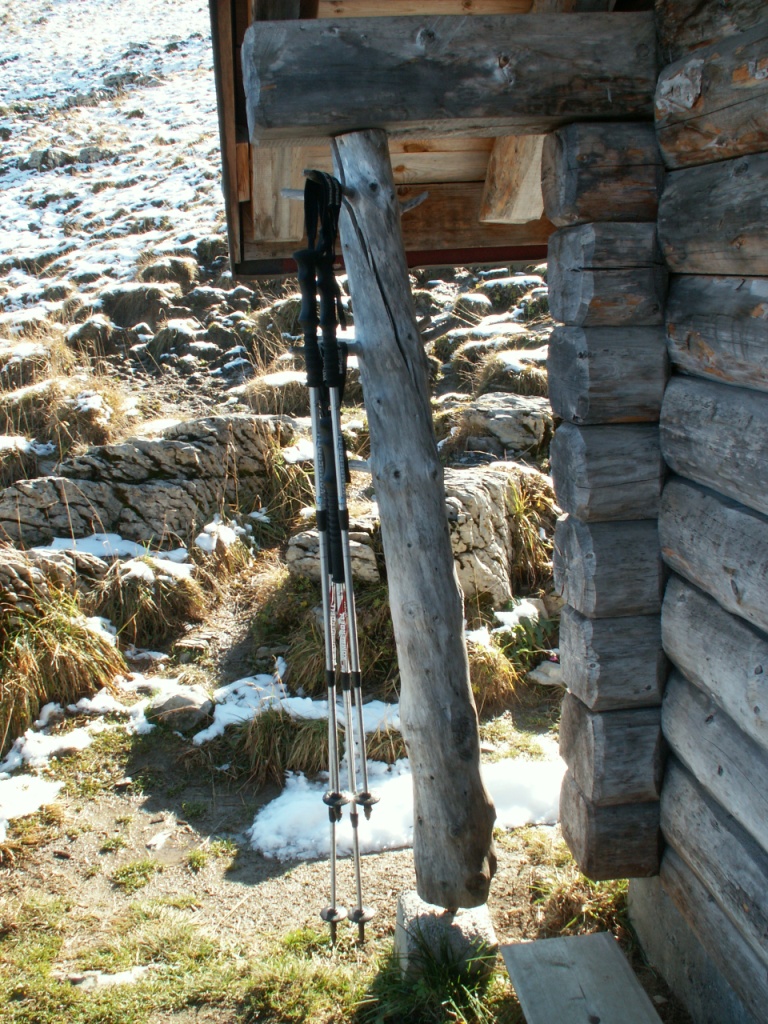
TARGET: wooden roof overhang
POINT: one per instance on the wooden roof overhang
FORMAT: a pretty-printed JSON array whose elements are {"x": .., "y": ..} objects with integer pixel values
[{"x": 464, "y": 88}]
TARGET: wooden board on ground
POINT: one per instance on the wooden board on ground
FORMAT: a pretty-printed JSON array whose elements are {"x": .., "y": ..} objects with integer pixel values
[{"x": 578, "y": 979}]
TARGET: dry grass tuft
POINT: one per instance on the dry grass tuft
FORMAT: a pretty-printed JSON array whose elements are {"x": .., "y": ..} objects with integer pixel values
[
  {"x": 288, "y": 490},
  {"x": 274, "y": 743},
  {"x": 493, "y": 374},
  {"x": 385, "y": 745},
  {"x": 532, "y": 510},
  {"x": 281, "y": 392},
  {"x": 493, "y": 676}
]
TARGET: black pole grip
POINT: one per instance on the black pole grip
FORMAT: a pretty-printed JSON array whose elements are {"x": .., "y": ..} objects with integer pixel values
[
  {"x": 332, "y": 521},
  {"x": 326, "y": 284},
  {"x": 305, "y": 261}
]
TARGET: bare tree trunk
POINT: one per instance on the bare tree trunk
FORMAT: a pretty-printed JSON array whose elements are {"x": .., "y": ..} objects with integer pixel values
[{"x": 453, "y": 844}]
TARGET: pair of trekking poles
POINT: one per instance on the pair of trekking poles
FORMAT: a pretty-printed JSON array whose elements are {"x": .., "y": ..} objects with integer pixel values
[{"x": 325, "y": 361}]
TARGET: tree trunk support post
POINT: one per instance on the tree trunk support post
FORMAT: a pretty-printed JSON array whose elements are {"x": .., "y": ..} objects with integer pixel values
[{"x": 453, "y": 814}]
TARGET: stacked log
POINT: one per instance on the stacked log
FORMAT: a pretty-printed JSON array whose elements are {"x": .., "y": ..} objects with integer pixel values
[
  {"x": 712, "y": 129},
  {"x": 607, "y": 373}
]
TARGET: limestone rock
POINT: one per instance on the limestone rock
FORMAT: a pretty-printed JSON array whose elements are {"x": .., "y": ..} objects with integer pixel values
[
  {"x": 523, "y": 423},
  {"x": 427, "y": 934},
  {"x": 505, "y": 291},
  {"x": 303, "y": 555},
  {"x": 130, "y": 304},
  {"x": 93, "y": 336},
  {"x": 188, "y": 708}
]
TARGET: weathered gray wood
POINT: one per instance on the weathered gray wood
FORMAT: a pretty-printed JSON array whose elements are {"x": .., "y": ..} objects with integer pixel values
[
  {"x": 606, "y": 275},
  {"x": 685, "y": 25},
  {"x": 274, "y": 10},
  {"x": 719, "y": 545},
  {"x": 615, "y": 757},
  {"x": 607, "y": 473},
  {"x": 713, "y": 104},
  {"x": 724, "y": 943},
  {"x": 577, "y": 980},
  {"x": 726, "y": 762},
  {"x": 607, "y": 374},
  {"x": 608, "y": 569},
  {"x": 453, "y": 814},
  {"x": 718, "y": 327},
  {"x": 610, "y": 842},
  {"x": 503, "y": 74},
  {"x": 720, "y": 653},
  {"x": 714, "y": 219},
  {"x": 732, "y": 866},
  {"x": 717, "y": 435},
  {"x": 612, "y": 663},
  {"x": 601, "y": 172}
]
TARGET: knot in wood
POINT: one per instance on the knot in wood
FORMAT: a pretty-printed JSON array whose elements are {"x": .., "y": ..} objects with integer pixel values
[{"x": 425, "y": 37}]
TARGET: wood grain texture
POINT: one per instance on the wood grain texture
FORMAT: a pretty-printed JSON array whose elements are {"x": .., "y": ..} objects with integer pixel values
[
  {"x": 453, "y": 814},
  {"x": 224, "y": 75},
  {"x": 614, "y": 757},
  {"x": 723, "y": 655},
  {"x": 610, "y": 842},
  {"x": 717, "y": 435},
  {"x": 601, "y": 172},
  {"x": 606, "y": 274},
  {"x": 722, "y": 940},
  {"x": 575, "y": 980},
  {"x": 718, "y": 327},
  {"x": 512, "y": 193},
  {"x": 445, "y": 74},
  {"x": 607, "y": 374},
  {"x": 726, "y": 859},
  {"x": 714, "y": 219},
  {"x": 718, "y": 545},
  {"x": 379, "y": 8},
  {"x": 608, "y": 569},
  {"x": 713, "y": 104},
  {"x": 726, "y": 763},
  {"x": 611, "y": 664},
  {"x": 607, "y": 473},
  {"x": 686, "y": 25}
]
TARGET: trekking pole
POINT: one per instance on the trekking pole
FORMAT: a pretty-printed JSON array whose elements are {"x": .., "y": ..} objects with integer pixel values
[{"x": 333, "y": 798}]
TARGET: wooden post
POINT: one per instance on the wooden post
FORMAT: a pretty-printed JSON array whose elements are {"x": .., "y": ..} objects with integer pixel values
[{"x": 453, "y": 814}]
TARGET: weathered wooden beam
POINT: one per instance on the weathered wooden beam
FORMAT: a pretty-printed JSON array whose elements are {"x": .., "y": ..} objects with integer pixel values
[
  {"x": 714, "y": 219},
  {"x": 512, "y": 193},
  {"x": 608, "y": 569},
  {"x": 686, "y": 25},
  {"x": 224, "y": 76},
  {"x": 601, "y": 172},
  {"x": 274, "y": 218},
  {"x": 718, "y": 327},
  {"x": 610, "y": 842},
  {"x": 379, "y": 8},
  {"x": 614, "y": 757},
  {"x": 713, "y": 104},
  {"x": 727, "y": 860},
  {"x": 719, "y": 545},
  {"x": 606, "y": 374},
  {"x": 721, "y": 939},
  {"x": 726, "y": 762},
  {"x": 723, "y": 655},
  {"x": 502, "y": 74},
  {"x": 453, "y": 814},
  {"x": 607, "y": 473},
  {"x": 717, "y": 435},
  {"x": 607, "y": 274},
  {"x": 611, "y": 664}
]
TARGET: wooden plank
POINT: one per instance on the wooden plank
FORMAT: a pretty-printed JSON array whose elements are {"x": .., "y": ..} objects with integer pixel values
[
  {"x": 607, "y": 374},
  {"x": 608, "y": 570},
  {"x": 224, "y": 75},
  {"x": 718, "y": 327},
  {"x": 713, "y": 104},
  {"x": 273, "y": 218},
  {"x": 610, "y": 842},
  {"x": 422, "y": 161},
  {"x": 723, "y": 655},
  {"x": 577, "y": 980},
  {"x": 607, "y": 473},
  {"x": 445, "y": 74},
  {"x": 243, "y": 164},
  {"x": 724, "y": 943},
  {"x": 726, "y": 762},
  {"x": 380, "y": 8},
  {"x": 615, "y": 757},
  {"x": 611, "y": 664},
  {"x": 714, "y": 219},
  {"x": 717, "y": 544},
  {"x": 453, "y": 830},
  {"x": 512, "y": 193},
  {"x": 727, "y": 860},
  {"x": 606, "y": 274},
  {"x": 717, "y": 435},
  {"x": 601, "y": 172},
  {"x": 685, "y": 25},
  {"x": 274, "y": 10}
]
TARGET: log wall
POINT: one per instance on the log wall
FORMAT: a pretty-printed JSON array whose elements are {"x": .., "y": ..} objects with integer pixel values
[
  {"x": 608, "y": 368},
  {"x": 711, "y": 113}
]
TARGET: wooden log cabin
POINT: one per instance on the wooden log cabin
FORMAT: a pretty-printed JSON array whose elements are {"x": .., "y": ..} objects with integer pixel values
[{"x": 630, "y": 147}]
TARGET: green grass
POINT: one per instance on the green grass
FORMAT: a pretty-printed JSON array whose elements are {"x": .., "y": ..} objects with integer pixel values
[
  {"x": 113, "y": 843},
  {"x": 197, "y": 860},
  {"x": 135, "y": 875},
  {"x": 194, "y": 809}
]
